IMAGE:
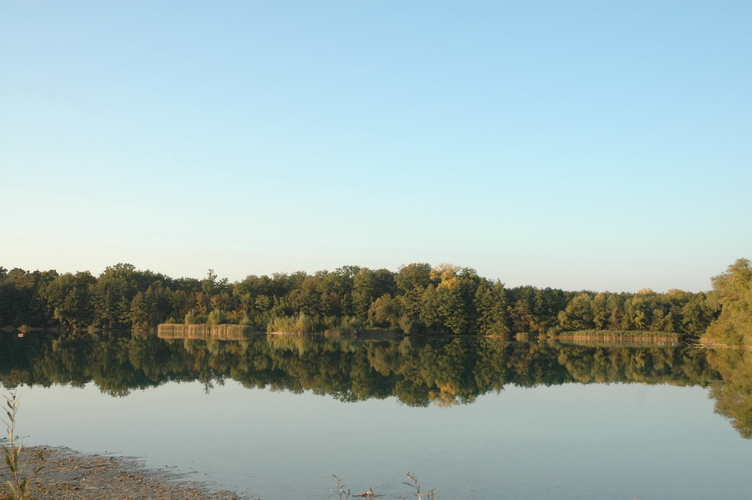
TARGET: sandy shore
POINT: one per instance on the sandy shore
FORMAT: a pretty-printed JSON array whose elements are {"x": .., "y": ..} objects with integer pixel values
[{"x": 69, "y": 475}]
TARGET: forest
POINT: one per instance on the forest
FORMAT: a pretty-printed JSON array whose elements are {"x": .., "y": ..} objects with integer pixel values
[{"x": 417, "y": 299}]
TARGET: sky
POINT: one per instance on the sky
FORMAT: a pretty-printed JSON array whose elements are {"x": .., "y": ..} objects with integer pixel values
[{"x": 577, "y": 145}]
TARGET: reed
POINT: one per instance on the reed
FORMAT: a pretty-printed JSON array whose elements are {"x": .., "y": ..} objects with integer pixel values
[
  {"x": 416, "y": 489},
  {"x": 205, "y": 331},
  {"x": 344, "y": 493},
  {"x": 619, "y": 336},
  {"x": 17, "y": 485},
  {"x": 341, "y": 492}
]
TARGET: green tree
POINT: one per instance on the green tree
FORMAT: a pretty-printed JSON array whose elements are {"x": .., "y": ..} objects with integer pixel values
[
  {"x": 21, "y": 300},
  {"x": 450, "y": 305},
  {"x": 697, "y": 314},
  {"x": 368, "y": 286},
  {"x": 385, "y": 312},
  {"x": 732, "y": 290},
  {"x": 534, "y": 310},
  {"x": 151, "y": 307},
  {"x": 413, "y": 276},
  {"x": 336, "y": 290},
  {"x": 578, "y": 315},
  {"x": 411, "y": 306},
  {"x": 307, "y": 298},
  {"x": 69, "y": 298},
  {"x": 112, "y": 295},
  {"x": 636, "y": 313},
  {"x": 491, "y": 305}
]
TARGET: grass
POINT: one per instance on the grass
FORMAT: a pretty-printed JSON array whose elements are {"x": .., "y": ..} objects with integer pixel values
[{"x": 16, "y": 484}]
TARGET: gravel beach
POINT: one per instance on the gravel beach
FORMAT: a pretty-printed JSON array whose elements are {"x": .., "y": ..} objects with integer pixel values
[{"x": 69, "y": 475}]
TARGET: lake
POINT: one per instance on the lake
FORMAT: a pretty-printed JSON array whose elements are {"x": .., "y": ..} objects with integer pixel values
[{"x": 278, "y": 416}]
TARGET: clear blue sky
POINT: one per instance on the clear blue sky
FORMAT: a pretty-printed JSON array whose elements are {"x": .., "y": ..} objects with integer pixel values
[{"x": 580, "y": 145}]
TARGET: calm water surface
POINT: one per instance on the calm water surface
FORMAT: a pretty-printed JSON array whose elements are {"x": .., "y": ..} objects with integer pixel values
[{"x": 537, "y": 425}]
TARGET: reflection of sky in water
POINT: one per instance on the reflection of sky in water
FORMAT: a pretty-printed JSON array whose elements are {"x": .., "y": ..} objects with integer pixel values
[{"x": 571, "y": 441}]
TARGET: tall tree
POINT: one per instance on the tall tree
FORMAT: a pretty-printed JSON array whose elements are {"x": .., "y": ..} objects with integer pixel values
[
  {"x": 732, "y": 290},
  {"x": 69, "y": 298},
  {"x": 491, "y": 305}
]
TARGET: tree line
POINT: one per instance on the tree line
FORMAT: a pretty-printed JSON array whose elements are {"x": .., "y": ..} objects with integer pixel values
[{"x": 417, "y": 299}]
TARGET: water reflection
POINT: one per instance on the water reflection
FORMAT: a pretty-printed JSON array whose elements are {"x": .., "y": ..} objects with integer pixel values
[{"x": 418, "y": 371}]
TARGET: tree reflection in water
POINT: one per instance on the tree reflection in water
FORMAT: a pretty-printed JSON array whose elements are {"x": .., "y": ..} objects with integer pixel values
[{"x": 418, "y": 371}]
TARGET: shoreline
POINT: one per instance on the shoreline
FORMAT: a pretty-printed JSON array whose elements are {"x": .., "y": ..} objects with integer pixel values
[{"x": 69, "y": 474}]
